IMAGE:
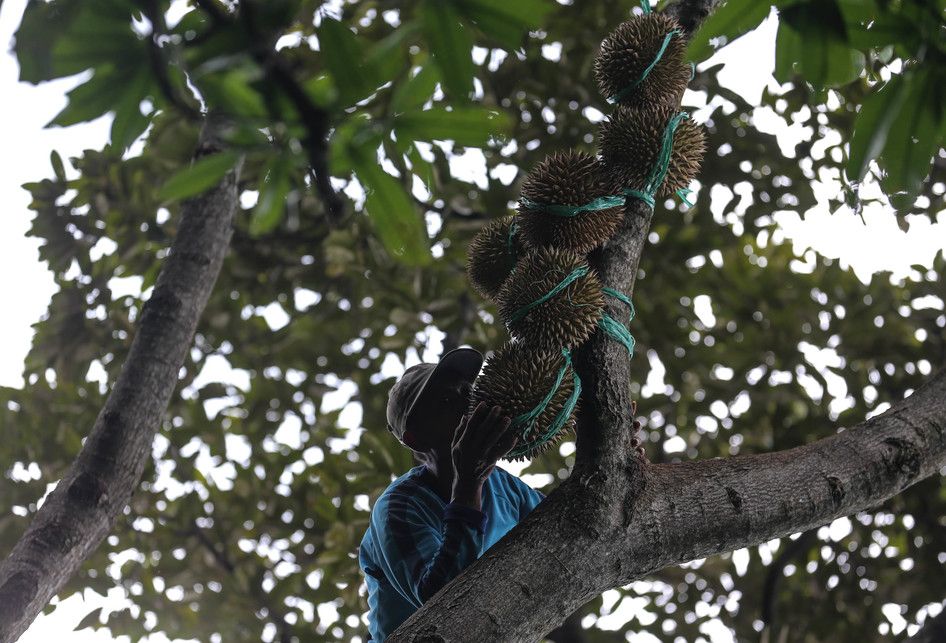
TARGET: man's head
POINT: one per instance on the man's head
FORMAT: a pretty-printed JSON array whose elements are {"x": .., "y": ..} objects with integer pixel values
[{"x": 427, "y": 403}]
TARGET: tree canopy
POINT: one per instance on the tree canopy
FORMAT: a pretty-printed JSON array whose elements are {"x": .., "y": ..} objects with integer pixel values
[{"x": 359, "y": 123}]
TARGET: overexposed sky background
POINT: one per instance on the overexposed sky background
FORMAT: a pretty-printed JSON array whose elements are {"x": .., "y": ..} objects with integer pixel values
[{"x": 880, "y": 245}]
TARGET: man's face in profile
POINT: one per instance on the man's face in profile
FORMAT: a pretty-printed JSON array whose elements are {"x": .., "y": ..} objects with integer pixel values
[{"x": 438, "y": 412}]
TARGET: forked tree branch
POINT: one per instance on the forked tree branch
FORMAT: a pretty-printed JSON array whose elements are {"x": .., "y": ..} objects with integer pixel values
[
  {"x": 618, "y": 518},
  {"x": 82, "y": 509}
]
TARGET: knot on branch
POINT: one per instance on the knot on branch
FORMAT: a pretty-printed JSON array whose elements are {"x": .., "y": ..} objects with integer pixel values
[
  {"x": 904, "y": 458},
  {"x": 55, "y": 536},
  {"x": 15, "y": 594},
  {"x": 88, "y": 491},
  {"x": 836, "y": 487},
  {"x": 163, "y": 303}
]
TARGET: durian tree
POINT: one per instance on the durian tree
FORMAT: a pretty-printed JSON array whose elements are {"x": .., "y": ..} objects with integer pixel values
[{"x": 315, "y": 193}]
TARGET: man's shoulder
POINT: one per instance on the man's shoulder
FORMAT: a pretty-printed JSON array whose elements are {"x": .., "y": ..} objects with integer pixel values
[
  {"x": 404, "y": 486},
  {"x": 502, "y": 478}
]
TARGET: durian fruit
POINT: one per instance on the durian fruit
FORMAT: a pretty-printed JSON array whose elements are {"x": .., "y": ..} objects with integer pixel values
[
  {"x": 517, "y": 378},
  {"x": 564, "y": 320},
  {"x": 631, "y": 140},
  {"x": 492, "y": 255},
  {"x": 569, "y": 178},
  {"x": 630, "y": 49}
]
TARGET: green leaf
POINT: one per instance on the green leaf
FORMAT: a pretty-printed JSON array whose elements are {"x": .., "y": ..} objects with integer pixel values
[
  {"x": 915, "y": 135},
  {"x": 415, "y": 91},
  {"x": 89, "y": 620},
  {"x": 129, "y": 122},
  {"x": 812, "y": 41},
  {"x": 272, "y": 196},
  {"x": 421, "y": 168},
  {"x": 507, "y": 22},
  {"x": 321, "y": 89},
  {"x": 103, "y": 33},
  {"x": 350, "y": 139},
  {"x": 399, "y": 225},
  {"x": 199, "y": 177},
  {"x": 822, "y": 61},
  {"x": 733, "y": 19},
  {"x": 867, "y": 26},
  {"x": 231, "y": 93},
  {"x": 451, "y": 45},
  {"x": 92, "y": 99},
  {"x": 466, "y": 126},
  {"x": 877, "y": 115},
  {"x": 345, "y": 59},
  {"x": 58, "y": 166}
]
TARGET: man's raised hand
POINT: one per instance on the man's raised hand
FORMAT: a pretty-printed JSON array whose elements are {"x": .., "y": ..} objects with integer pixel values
[{"x": 480, "y": 440}]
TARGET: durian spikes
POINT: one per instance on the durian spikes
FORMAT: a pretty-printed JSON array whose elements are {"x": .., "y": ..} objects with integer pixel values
[
  {"x": 566, "y": 179},
  {"x": 631, "y": 141},
  {"x": 545, "y": 315},
  {"x": 492, "y": 256},
  {"x": 517, "y": 378},
  {"x": 642, "y": 63}
]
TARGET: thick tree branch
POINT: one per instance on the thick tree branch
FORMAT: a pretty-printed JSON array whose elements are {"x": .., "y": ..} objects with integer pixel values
[
  {"x": 691, "y": 13},
  {"x": 564, "y": 553},
  {"x": 80, "y": 512}
]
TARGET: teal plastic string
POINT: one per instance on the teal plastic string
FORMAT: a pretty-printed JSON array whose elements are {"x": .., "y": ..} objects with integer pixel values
[
  {"x": 659, "y": 171},
  {"x": 683, "y": 193},
  {"x": 601, "y": 203},
  {"x": 513, "y": 228},
  {"x": 526, "y": 420},
  {"x": 660, "y": 52},
  {"x": 577, "y": 273},
  {"x": 645, "y": 5},
  {"x": 643, "y": 196},
  {"x": 616, "y": 329}
]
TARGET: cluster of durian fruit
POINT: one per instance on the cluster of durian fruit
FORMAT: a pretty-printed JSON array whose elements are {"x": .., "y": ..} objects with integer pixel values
[{"x": 520, "y": 262}]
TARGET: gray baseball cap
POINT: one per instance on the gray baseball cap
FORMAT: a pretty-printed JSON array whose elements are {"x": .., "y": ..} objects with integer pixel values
[{"x": 408, "y": 392}]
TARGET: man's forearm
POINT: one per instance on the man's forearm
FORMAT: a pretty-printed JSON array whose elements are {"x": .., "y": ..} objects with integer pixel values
[{"x": 464, "y": 526}]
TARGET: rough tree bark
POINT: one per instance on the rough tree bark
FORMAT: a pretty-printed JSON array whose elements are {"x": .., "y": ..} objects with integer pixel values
[
  {"x": 82, "y": 509},
  {"x": 619, "y": 518}
]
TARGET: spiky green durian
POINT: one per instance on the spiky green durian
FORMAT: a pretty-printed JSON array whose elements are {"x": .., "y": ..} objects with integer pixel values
[
  {"x": 631, "y": 140},
  {"x": 492, "y": 255},
  {"x": 562, "y": 320},
  {"x": 630, "y": 49},
  {"x": 517, "y": 378},
  {"x": 567, "y": 179}
]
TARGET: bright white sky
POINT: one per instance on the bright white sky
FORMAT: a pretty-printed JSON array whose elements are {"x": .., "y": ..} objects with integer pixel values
[{"x": 25, "y": 157}]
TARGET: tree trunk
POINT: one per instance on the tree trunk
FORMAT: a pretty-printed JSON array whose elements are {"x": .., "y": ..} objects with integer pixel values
[{"x": 82, "y": 509}]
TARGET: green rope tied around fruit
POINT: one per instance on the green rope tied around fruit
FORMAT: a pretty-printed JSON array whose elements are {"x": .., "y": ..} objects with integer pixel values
[
  {"x": 645, "y": 5},
  {"x": 601, "y": 203},
  {"x": 513, "y": 228},
  {"x": 659, "y": 171},
  {"x": 526, "y": 420},
  {"x": 616, "y": 329},
  {"x": 683, "y": 194},
  {"x": 660, "y": 52},
  {"x": 643, "y": 196},
  {"x": 577, "y": 273}
]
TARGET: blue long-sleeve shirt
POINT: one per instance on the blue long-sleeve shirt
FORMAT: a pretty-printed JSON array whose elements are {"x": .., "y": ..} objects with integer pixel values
[{"x": 416, "y": 542}]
